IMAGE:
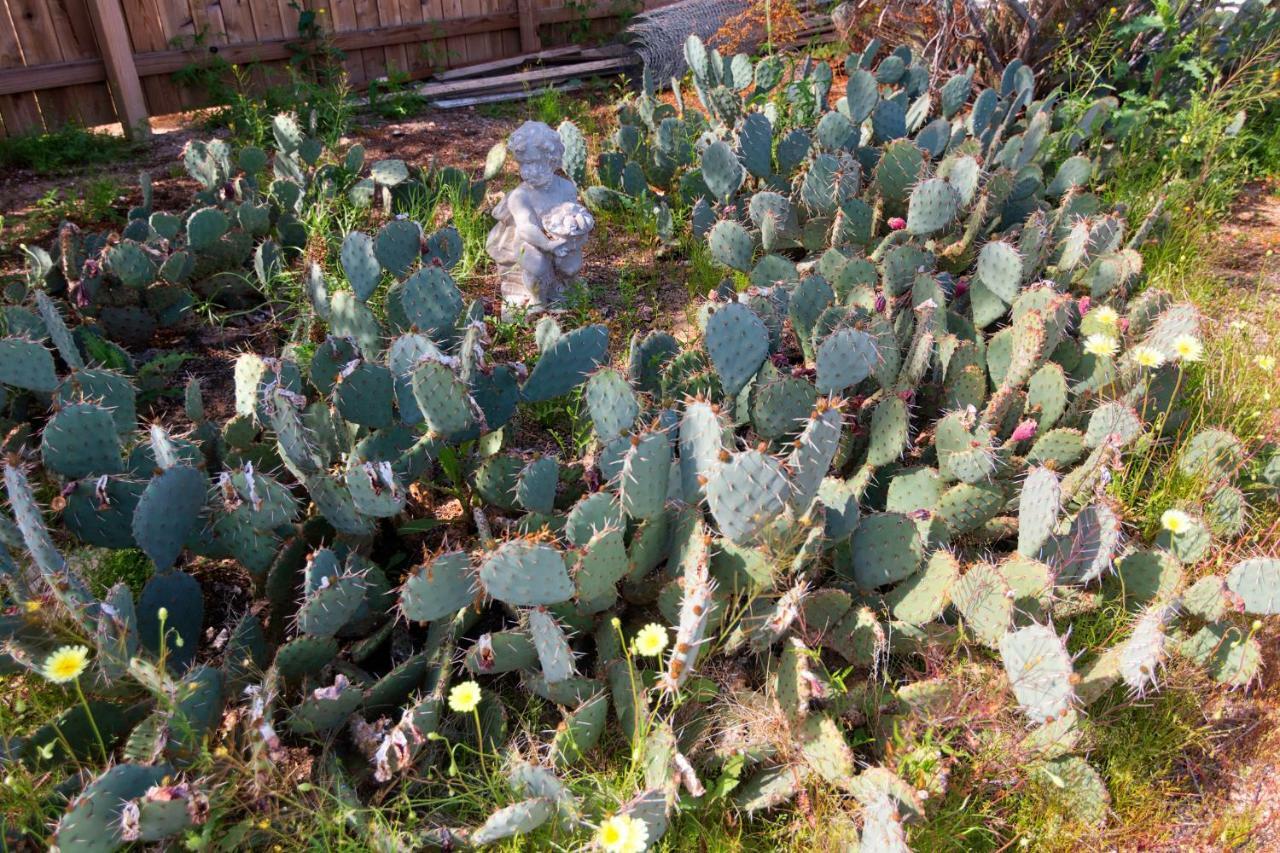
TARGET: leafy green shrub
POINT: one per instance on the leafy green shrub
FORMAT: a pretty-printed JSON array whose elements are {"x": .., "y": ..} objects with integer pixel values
[{"x": 62, "y": 150}]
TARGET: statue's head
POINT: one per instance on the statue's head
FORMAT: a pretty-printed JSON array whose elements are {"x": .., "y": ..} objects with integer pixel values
[{"x": 538, "y": 150}]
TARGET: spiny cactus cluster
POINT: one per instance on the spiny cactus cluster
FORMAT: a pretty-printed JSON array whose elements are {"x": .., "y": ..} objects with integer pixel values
[
  {"x": 894, "y": 440},
  {"x": 245, "y": 225}
]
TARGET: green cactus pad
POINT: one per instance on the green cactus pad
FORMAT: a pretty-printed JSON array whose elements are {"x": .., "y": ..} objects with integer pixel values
[
  {"x": 737, "y": 342},
  {"x": 81, "y": 440},
  {"x": 566, "y": 362},
  {"x": 27, "y": 365},
  {"x": 1040, "y": 672},
  {"x": 845, "y": 358},
  {"x": 431, "y": 301},
  {"x": 731, "y": 245},
  {"x": 746, "y": 493},
  {"x": 611, "y": 402},
  {"x": 934, "y": 205},
  {"x": 326, "y": 708},
  {"x": 442, "y": 398},
  {"x": 886, "y": 548},
  {"x": 92, "y": 821},
  {"x": 722, "y": 171},
  {"x": 526, "y": 574},
  {"x": 580, "y": 731},
  {"x": 180, "y": 596},
  {"x": 924, "y": 596},
  {"x": 168, "y": 513},
  {"x": 643, "y": 478}
]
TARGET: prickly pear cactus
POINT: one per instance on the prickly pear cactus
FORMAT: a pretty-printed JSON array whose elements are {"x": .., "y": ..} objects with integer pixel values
[{"x": 889, "y": 436}]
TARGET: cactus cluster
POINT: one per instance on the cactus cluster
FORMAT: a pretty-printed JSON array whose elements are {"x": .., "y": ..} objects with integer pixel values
[
  {"x": 244, "y": 227},
  {"x": 893, "y": 439}
]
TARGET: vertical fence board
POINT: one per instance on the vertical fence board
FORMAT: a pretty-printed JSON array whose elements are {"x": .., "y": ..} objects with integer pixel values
[
  {"x": 78, "y": 42},
  {"x": 35, "y": 31},
  {"x": 21, "y": 113}
]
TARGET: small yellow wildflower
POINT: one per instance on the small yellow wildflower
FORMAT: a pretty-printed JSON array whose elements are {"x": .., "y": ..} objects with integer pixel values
[
  {"x": 1101, "y": 345},
  {"x": 66, "y": 664},
  {"x": 32, "y": 606},
  {"x": 651, "y": 640},
  {"x": 1175, "y": 521},
  {"x": 1188, "y": 348},
  {"x": 465, "y": 697},
  {"x": 623, "y": 834},
  {"x": 1148, "y": 356},
  {"x": 1266, "y": 362},
  {"x": 1106, "y": 315}
]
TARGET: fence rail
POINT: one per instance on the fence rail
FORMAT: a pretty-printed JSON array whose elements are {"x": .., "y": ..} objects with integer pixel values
[{"x": 96, "y": 62}]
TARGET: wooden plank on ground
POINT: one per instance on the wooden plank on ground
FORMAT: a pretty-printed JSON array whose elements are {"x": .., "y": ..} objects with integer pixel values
[
  {"x": 117, "y": 54},
  {"x": 496, "y": 97},
  {"x": 506, "y": 63},
  {"x": 527, "y": 78}
]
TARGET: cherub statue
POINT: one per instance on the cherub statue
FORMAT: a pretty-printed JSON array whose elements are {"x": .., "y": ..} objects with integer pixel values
[{"x": 541, "y": 228}]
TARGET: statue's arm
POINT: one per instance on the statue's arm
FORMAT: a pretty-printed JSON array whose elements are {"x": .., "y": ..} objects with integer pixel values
[{"x": 525, "y": 219}]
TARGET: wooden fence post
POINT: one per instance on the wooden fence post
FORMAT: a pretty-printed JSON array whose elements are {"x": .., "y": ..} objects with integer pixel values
[
  {"x": 117, "y": 55},
  {"x": 529, "y": 40}
]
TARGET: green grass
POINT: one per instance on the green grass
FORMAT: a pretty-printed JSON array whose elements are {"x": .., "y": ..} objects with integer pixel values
[
  {"x": 104, "y": 568},
  {"x": 65, "y": 150}
]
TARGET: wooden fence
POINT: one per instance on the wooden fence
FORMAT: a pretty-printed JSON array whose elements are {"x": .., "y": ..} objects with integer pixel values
[{"x": 95, "y": 62}]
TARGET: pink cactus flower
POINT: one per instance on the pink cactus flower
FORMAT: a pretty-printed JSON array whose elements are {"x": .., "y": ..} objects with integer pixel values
[
  {"x": 1024, "y": 431},
  {"x": 897, "y": 223}
]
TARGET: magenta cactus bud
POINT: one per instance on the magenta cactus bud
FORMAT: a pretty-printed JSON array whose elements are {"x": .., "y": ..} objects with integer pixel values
[
  {"x": 1024, "y": 430},
  {"x": 897, "y": 223},
  {"x": 880, "y": 302},
  {"x": 1085, "y": 302},
  {"x": 962, "y": 287},
  {"x": 907, "y": 396},
  {"x": 1123, "y": 324}
]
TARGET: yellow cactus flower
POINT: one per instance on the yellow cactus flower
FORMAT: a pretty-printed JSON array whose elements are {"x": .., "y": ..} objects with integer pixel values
[
  {"x": 1148, "y": 356},
  {"x": 1106, "y": 315},
  {"x": 651, "y": 640},
  {"x": 1175, "y": 521},
  {"x": 1101, "y": 345},
  {"x": 623, "y": 834},
  {"x": 1188, "y": 348},
  {"x": 465, "y": 697},
  {"x": 66, "y": 664}
]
